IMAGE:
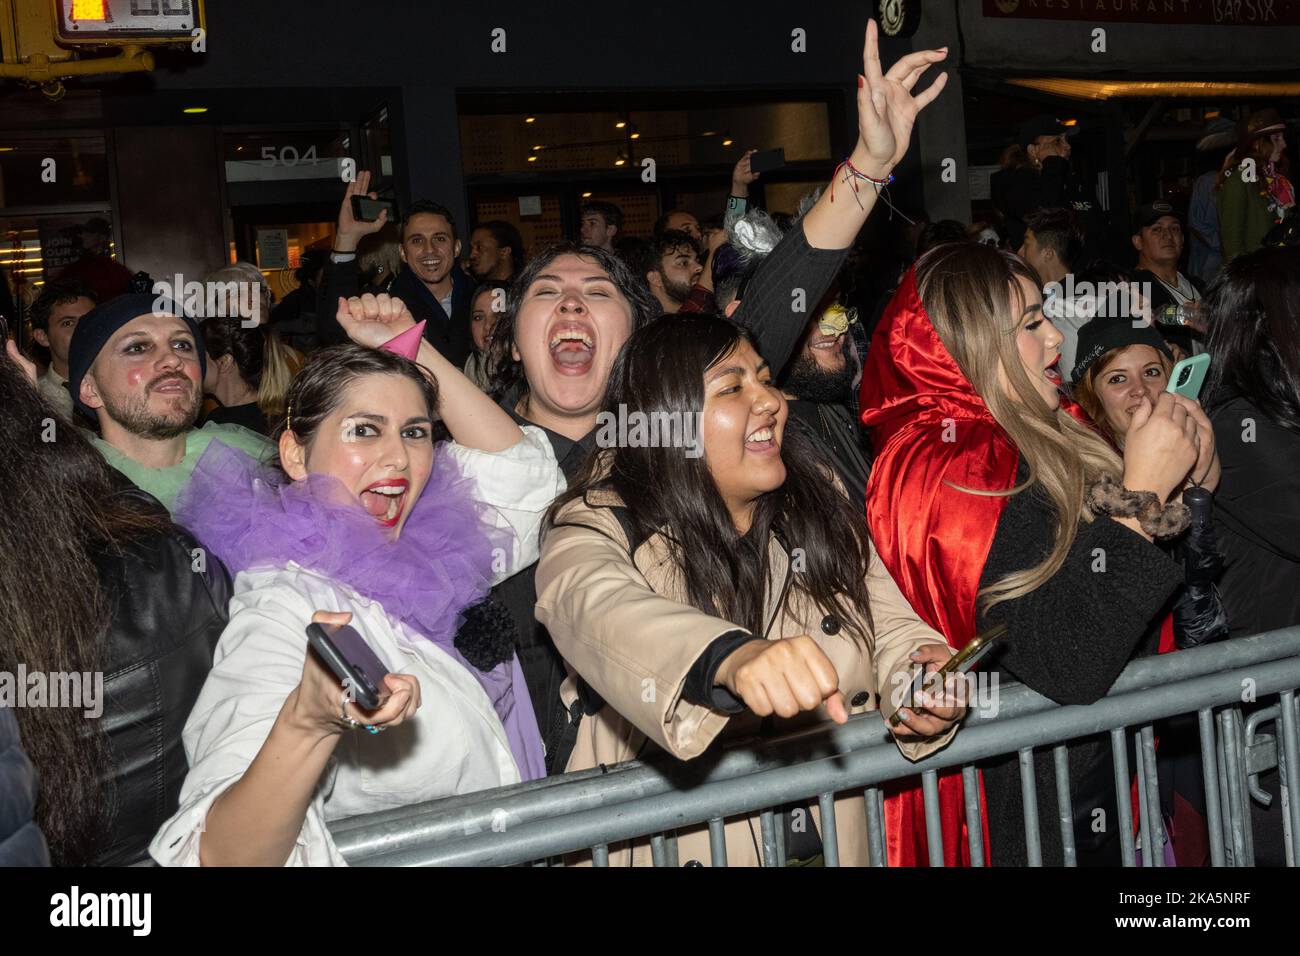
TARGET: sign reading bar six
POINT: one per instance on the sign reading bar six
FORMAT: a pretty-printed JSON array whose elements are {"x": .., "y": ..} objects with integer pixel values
[{"x": 1191, "y": 12}]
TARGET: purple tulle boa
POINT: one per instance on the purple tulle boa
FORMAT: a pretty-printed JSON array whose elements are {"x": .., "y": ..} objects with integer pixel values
[{"x": 252, "y": 517}]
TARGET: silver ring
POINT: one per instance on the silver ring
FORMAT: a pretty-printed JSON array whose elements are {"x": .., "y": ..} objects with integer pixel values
[{"x": 343, "y": 712}]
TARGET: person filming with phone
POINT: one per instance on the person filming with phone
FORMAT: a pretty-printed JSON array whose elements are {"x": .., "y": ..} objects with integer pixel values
[
  {"x": 1123, "y": 370},
  {"x": 431, "y": 283}
]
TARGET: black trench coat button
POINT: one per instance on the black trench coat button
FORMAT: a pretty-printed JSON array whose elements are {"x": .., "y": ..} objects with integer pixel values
[
  {"x": 861, "y": 699},
  {"x": 830, "y": 625}
]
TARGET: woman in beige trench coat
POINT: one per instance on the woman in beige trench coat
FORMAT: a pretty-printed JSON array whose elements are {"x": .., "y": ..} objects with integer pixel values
[{"x": 725, "y": 586}]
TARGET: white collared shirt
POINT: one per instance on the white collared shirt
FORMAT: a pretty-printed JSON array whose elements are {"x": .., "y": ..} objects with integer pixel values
[{"x": 54, "y": 389}]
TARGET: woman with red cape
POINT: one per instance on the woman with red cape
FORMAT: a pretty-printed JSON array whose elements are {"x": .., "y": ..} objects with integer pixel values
[{"x": 989, "y": 503}]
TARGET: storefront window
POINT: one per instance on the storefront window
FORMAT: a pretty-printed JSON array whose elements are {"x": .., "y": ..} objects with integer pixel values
[
  {"x": 704, "y": 136},
  {"x": 52, "y": 170}
]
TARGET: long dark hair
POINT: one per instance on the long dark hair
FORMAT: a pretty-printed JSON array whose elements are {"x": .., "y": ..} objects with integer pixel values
[
  {"x": 508, "y": 374},
  {"x": 1254, "y": 321},
  {"x": 320, "y": 385},
  {"x": 64, "y": 507},
  {"x": 661, "y": 369}
]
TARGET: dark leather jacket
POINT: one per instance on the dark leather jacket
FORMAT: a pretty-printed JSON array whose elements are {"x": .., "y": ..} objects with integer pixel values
[
  {"x": 21, "y": 842},
  {"x": 165, "y": 621}
]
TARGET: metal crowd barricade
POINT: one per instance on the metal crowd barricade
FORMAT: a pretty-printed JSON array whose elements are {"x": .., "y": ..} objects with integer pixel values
[{"x": 538, "y": 822}]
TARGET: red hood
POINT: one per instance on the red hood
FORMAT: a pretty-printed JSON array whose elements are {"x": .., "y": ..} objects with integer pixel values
[
  {"x": 910, "y": 380},
  {"x": 933, "y": 435},
  {"x": 912, "y": 384},
  {"x": 931, "y": 431}
]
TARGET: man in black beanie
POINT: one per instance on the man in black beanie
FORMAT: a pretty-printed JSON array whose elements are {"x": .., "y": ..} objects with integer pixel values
[{"x": 136, "y": 365}]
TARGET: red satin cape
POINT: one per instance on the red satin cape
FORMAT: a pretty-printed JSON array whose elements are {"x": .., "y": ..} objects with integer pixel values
[{"x": 931, "y": 431}]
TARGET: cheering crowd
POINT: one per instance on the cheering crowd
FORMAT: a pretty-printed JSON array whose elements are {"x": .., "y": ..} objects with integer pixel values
[{"x": 897, "y": 453}]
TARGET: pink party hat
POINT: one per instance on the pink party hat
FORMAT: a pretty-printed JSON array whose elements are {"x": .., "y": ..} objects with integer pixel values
[{"x": 407, "y": 343}]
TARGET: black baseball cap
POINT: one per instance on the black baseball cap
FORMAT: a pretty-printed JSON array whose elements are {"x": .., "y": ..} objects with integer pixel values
[
  {"x": 1043, "y": 125},
  {"x": 1152, "y": 213},
  {"x": 1104, "y": 333}
]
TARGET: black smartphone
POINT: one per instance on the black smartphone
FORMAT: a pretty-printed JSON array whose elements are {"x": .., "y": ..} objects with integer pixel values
[
  {"x": 365, "y": 209},
  {"x": 346, "y": 653},
  {"x": 961, "y": 662},
  {"x": 766, "y": 160}
]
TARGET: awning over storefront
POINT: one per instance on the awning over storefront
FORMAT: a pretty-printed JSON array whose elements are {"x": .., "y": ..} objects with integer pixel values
[
  {"x": 1163, "y": 89},
  {"x": 1152, "y": 37}
]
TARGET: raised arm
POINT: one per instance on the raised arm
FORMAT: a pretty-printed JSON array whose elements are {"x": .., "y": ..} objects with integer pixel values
[
  {"x": 887, "y": 112},
  {"x": 802, "y": 267},
  {"x": 473, "y": 419},
  {"x": 738, "y": 201},
  {"x": 342, "y": 276}
]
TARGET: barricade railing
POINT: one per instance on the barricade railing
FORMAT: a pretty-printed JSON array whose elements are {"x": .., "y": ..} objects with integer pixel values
[{"x": 1237, "y": 689}]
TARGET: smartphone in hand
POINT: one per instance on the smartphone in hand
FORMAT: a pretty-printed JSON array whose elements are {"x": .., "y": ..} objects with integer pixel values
[
  {"x": 346, "y": 653},
  {"x": 365, "y": 209},
  {"x": 960, "y": 663},
  {"x": 1187, "y": 377},
  {"x": 766, "y": 160}
]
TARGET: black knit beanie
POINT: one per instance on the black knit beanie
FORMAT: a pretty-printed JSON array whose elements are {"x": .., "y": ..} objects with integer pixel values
[{"x": 103, "y": 322}]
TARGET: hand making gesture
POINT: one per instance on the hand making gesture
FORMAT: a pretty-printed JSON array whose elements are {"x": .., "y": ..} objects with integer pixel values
[{"x": 887, "y": 111}]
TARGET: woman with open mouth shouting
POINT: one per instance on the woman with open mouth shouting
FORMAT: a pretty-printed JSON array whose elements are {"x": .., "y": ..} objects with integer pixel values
[
  {"x": 724, "y": 596},
  {"x": 570, "y": 311},
  {"x": 365, "y": 523}
]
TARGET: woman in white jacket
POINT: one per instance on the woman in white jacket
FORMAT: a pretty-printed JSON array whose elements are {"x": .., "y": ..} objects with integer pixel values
[{"x": 363, "y": 523}]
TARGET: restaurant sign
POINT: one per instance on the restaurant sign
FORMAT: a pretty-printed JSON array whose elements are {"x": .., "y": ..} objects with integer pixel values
[{"x": 1257, "y": 13}]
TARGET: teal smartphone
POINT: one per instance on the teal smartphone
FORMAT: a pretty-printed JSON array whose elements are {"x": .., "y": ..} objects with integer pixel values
[{"x": 1188, "y": 376}]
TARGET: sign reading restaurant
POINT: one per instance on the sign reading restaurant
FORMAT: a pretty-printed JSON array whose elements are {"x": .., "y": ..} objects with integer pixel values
[{"x": 1211, "y": 12}]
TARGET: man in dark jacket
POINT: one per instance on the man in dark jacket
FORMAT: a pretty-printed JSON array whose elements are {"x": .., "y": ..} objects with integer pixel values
[
  {"x": 1175, "y": 298},
  {"x": 1042, "y": 178},
  {"x": 430, "y": 283},
  {"x": 21, "y": 841}
]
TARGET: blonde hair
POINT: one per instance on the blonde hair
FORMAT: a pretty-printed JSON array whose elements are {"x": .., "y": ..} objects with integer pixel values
[
  {"x": 277, "y": 374},
  {"x": 277, "y": 365},
  {"x": 379, "y": 256},
  {"x": 974, "y": 302},
  {"x": 250, "y": 275}
]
